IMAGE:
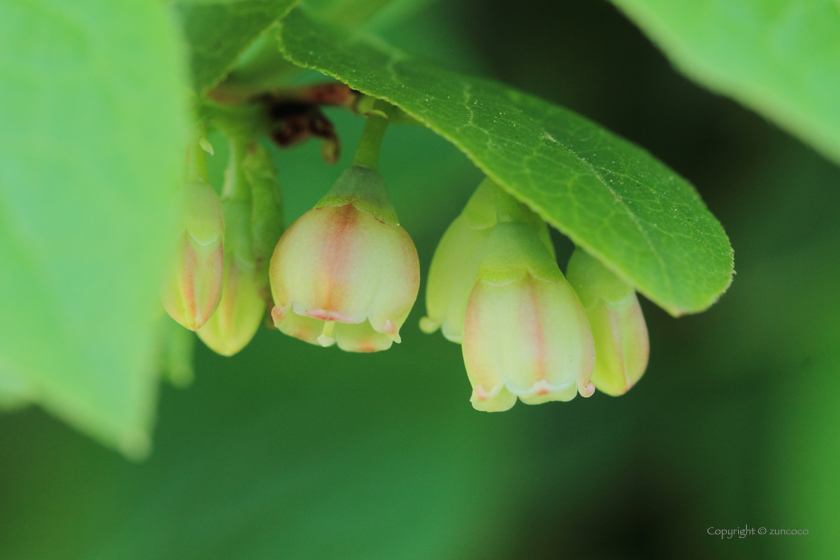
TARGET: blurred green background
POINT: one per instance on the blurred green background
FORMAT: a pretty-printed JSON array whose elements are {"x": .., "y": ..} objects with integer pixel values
[{"x": 292, "y": 451}]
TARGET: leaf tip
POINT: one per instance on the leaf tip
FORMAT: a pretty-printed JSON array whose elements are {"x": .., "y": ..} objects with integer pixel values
[{"x": 136, "y": 445}]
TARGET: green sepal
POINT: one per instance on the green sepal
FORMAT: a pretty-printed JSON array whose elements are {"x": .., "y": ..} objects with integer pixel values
[
  {"x": 236, "y": 205},
  {"x": 593, "y": 281},
  {"x": 365, "y": 189},
  {"x": 201, "y": 212},
  {"x": 480, "y": 210},
  {"x": 513, "y": 250},
  {"x": 236, "y": 187},
  {"x": 540, "y": 227}
]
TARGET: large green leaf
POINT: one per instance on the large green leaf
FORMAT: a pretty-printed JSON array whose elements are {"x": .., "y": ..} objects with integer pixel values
[
  {"x": 609, "y": 196},
  {"x": 262, "y": 67},
  {"x": 219, "y": 32},
  {"x": 780, "y": 57},
  {"x": 92, "y": 143}
]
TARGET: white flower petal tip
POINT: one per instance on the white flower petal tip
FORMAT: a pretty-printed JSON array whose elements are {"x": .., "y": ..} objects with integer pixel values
[
  {"x": 588, "y": 390},
  {"x": 498, "y": 399},
  {"x": 542, "y": 392},
  {"x": 429, "y": 326},
  {"x": 391, "y": 331}
]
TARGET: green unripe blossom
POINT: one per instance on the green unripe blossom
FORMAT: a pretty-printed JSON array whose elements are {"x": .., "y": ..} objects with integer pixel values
[
  {"x": 618, "y": 325},
  {"x": 457, "y": 258},
  {"x": 193, "y": 286},
  {"x": 525, "y": 331}
]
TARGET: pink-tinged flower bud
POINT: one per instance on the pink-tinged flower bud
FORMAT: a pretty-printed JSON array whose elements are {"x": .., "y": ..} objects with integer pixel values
[
  {"x": 618, "y": 325},
  {"x": 457, "y": 258},
  {"x": 194, "y": 284},
  {"x": 239, "y": 313},
  {"x": 348, "y": 266},
  {"x": 525, "y": 332},
  {"x": 241, "y": 308}
]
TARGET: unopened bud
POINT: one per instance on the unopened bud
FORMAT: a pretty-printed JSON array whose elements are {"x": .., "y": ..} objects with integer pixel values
[
  {"x": 193, "y": 286},
  {"x": 618, "y": 325}
]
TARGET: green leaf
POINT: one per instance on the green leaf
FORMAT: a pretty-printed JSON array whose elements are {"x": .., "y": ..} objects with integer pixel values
[
  {"x": 609, "y": 196},
  {"x": 355, "y": 13},
  {"x": 262, "y": 67},
  {"x": 93, "y": 134},
  {"x": 14, "y": 392},
  {"x": 219, "y": 32},
  {"x": 177, "y": 349},
  {"x": 781, "y": 58}
]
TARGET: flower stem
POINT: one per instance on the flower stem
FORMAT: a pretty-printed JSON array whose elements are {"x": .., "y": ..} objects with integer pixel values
[
  {"x": 236, "y": 183},
  {"x": 239, "y": 121},
  {"x": 196, "y": 160},
  {"x": 367, "y": 154}
]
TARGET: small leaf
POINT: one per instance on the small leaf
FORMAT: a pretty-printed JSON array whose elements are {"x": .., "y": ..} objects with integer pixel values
[
  {"x": 92, "y": 145},
  {"x": 609, "y": 196},
  {"x": 218, "y": 32},
  {"x": 780, "y": 58}
]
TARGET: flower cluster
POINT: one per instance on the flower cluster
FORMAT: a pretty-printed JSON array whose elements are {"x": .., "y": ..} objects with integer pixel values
[
  {"x": 495, "y": 287},
  {"x": 346, "y": 273}
]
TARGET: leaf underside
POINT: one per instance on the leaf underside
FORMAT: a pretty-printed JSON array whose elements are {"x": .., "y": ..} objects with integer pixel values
[
  {"x": 781, "y": 58},
  {"x": 219, "y": 32},
  {"x": 609, "y": 196},
  {"x": 91, "y": 148}
]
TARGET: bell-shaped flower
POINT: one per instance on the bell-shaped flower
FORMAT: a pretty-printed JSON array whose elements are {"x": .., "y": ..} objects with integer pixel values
[
  {"x": 618, "y": 325},
  {"x": 525, "y": 331},
  {"x": 193, "y": 286},
  {"x": 349, "y": 266},
  {"x": 457, "y": 258}
]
